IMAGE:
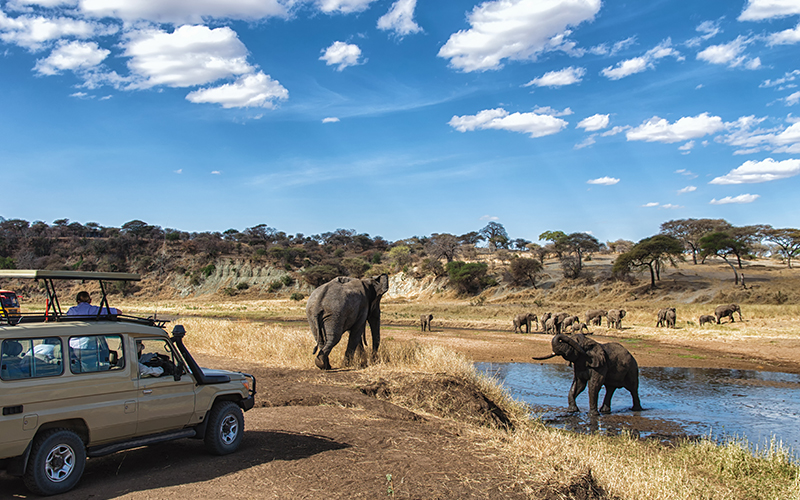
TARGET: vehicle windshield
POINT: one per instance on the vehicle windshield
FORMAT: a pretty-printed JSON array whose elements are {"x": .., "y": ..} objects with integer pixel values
[{"x": 9, "y": 300}]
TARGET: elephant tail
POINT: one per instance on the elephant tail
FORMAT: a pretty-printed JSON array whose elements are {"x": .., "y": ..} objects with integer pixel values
[{"x": 319, "y": 330}]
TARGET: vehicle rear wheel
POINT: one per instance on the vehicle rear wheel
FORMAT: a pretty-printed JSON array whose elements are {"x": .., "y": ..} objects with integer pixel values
[
  {"x": 56, "y": 463},
  {"x": 224, "y": 428}
]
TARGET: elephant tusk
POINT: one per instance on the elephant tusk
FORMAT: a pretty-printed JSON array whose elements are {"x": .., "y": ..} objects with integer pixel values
[{"x": 544, "y": 357}]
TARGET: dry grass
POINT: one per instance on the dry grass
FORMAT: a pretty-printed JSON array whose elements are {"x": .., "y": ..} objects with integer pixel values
[{"x": 536, "y": 455}]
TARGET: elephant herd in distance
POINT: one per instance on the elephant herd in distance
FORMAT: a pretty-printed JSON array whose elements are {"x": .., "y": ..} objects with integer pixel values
[
  {"x": 568, "y": 323},
  {"x": 667, "y": 316}
]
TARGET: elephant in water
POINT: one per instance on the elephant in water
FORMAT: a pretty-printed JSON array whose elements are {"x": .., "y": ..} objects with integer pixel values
[
  {"x": 526, "y": 320},
  {"x": 597, "y": 365},
  {"x": 346, "y": 304},
  {"x": 727, "y": 311},
  {"x": 425, "y": 321}
]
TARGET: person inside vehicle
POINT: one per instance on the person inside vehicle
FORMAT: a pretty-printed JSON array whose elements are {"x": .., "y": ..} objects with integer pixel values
[
  {"x": 84, "y": 306},
  {"x": 144, "y": 370}
]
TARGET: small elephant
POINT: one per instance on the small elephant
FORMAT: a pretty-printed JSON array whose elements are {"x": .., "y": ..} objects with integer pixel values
[
  {"x": 580, "y": 327},
  {"x": 615, "y": 318},
  {"x": 595, "y": 317},
  {"x": 544, "y": 318},
  {"x": 346, "y": 304},
  {"x": 559, "y": 320},
  {"x": 597, "y": 365},
  {"x": 707, "y": 318},
  {"x": 727, "y": 311},
  {"x": 526, "y": 320},
  {"x": 667, "y": 317},
  {"x": 550, "y": 325},
  {"x": 569, "y": 321},
  {"x": 425, "y": 321}
]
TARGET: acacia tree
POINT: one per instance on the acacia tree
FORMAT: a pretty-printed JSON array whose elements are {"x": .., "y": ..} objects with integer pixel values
[
  {"x": 571, "y": 249},
  {"x": 653, "y": 253},
  {"x": 723, "y": 245},
  {"x": 442, "y": 246},
  {"x": 788, "y": 241},
  {"x": 523, "y": 270},
  {"x": 689, "y": 231}
]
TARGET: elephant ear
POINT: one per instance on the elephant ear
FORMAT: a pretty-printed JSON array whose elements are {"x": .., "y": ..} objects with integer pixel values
[
  {"x": 597, "y": 357},
  {"x": 381, "y": 284}
]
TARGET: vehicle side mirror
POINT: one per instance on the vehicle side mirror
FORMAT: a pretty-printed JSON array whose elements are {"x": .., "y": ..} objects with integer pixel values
[
  {"x": 179, "y": 371},
  {"x": 113, "y": 358}
]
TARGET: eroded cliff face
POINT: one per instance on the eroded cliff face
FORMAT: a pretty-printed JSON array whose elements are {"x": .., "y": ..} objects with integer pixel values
[
  {"x": 402, "y": 285},
  {"x": 232, "y": 273}
]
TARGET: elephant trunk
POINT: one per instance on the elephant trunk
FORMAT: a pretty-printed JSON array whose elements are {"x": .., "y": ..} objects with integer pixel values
[
  {"x": 569, "y": 340},
  {"x": 545, "y": 357}
]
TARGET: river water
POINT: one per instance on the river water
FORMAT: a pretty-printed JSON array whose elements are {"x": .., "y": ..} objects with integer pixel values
[{"x": 720, "y": 403}]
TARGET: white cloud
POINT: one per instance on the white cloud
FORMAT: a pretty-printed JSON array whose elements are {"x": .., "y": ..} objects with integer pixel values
[
  {"x": 179, "y": 171},
  {"x": 330, "y": 119},
  {"x": 566, "y": 76},
  {"x": 784, "y": 82},
  {"x": 342, "y": 55},
  {"x": 400, "y": 18},
  {"x": 489, "y": 217},
  {"x": 586, "y": 142},
  {"x": 730, "y": 53},
  {"x": 603, "y": 50},
  {"x": 651, "y": 204},
  {"x": 759, "y": 10},
  {"x": 616, "y": 130},
  {"x": 709, "y": 29},
  {"x": 189, "y": 56},
  {"x": 742, "y": 198},
  {"x": 660, "y": 130},
  {"x": 254, "y": 90},
  {"x": 687, "y": 147},
  {"x": 670, "y": 206},
  {"x": 516, "y": 30},
  {"x": 185, "y": 11},
  {"x": 603, "y": 181},
  {"x": 594, "y": 122},
  {"x": 71, "y": 56},
  {"x": 751, "y": 172},
  {"x": 547, "y": 110},
  {"x": 687, "y": 189},
  {"x": 33, "y": 32},
  {"x": 777, "y": 140},
  {"x": 792, "y": 99},
  {"x": 785, "y": 37},
  {"x": 341, "y": 6},
  {"x": 216, "y": 172},
  {"x": 527, "y": 123},
  {"x": 639, "y": 64}
]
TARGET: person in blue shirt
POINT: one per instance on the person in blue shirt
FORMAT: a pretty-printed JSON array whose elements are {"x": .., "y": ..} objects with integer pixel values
[{"x": 85, "y": 307}]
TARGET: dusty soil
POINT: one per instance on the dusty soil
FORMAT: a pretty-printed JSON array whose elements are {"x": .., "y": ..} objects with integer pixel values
[{"x": 330, "y": 435}]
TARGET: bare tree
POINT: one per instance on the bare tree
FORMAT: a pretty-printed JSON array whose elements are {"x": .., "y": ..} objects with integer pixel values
[{"x": 442, "y": 245}]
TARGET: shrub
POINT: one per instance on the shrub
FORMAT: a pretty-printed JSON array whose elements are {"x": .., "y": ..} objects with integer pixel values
[
  {"x": 229, "y": 291},
  {"x": 275, "y": 286},
  {"x": 287, "y": 280},
  {"x": 468, "y": 278},
  {"x": 208, "y": 270},
  {"x": 297, "y": 296},
  {"x": 317, "y": 275},
  {"x": 242, "y": 286}
]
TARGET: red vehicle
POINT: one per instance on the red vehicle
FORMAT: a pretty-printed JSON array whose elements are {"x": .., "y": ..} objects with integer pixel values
[{"x": 9, "y": 304}]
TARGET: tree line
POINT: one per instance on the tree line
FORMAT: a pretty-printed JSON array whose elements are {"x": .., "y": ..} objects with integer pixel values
[{"x": 143, "y": 248}]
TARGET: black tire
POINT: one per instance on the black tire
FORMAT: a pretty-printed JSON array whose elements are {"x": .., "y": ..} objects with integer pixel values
[
  {"x": 224, "y": 428},
  {"x": 56, "y": 463}
]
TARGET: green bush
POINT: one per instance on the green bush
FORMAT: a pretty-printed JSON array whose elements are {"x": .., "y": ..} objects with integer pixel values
[
  {"x": 229, "y": 291},
  {"x": 275, "y": 286},
  {"x": 208, "y": 270},
  {"x": 242, "y": 286},
  {"x": 468, "y": 278},
  {"x": 317, "y": 275},
  {"x": 297, "y": 296},
  {"x": 287, "y": 280}
]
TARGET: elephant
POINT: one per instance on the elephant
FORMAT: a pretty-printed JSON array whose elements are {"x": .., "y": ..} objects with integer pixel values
[
  {"x": 543, "y": 320},
  {"x": 580, "y": 327},
  {"x": 346, "y": 304},
  {"x": 723, "y": 311},
  {"x": 425, "y": 321},
  {"x": 550, "y": 325},
  {"x": 615, "y": 318},
  {"x": 707, "y": 318},
  {"x": 666, "y": 317},
  {"x": 559, "y": 320},
  {"x": 526, "y": 320},
  {"x": 569, "y": 321},
  {"x": 597, "y": 365},
  {"x": 595, "y": 317}
]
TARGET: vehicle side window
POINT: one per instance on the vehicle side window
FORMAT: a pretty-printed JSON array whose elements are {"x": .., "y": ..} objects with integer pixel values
[
  {"x": 31, "y": 358},
  {"x": 158, "y": 354},
  {"x": 96, "y": 353}
]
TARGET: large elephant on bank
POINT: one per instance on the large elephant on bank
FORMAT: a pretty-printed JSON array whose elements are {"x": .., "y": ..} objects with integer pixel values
[
  {"x": 597, "y": 365},
  {"x": 595, "y": 316},
  {"x": 727, "y": 311},
  {"x": 346, "y": 304},
  {"x": 526, "y": 320},
  {"x": 615, "y": 318}
]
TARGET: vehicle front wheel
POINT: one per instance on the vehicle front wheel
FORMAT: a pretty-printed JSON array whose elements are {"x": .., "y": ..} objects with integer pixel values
[
  {"x": 56, "y": 463},
  {"x": 224, "y": 428}
]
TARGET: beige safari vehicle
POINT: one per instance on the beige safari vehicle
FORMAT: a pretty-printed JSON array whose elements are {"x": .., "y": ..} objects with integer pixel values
[{"x": 73, "y": 387}]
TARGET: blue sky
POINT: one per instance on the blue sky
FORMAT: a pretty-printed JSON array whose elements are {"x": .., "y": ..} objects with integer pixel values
[{"x": 401, "y": 117}]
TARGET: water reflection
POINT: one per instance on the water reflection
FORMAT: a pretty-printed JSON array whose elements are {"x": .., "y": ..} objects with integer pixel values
[{"x": 677, "y": 402}]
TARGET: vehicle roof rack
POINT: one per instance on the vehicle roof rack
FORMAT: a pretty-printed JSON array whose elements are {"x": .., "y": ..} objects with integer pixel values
[{"x": 52, "y": 297}]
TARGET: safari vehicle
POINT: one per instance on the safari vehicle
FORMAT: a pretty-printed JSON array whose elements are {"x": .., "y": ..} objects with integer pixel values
[
  {"x": 9, "y": 304},
  {"x": 71, "y": 387}
]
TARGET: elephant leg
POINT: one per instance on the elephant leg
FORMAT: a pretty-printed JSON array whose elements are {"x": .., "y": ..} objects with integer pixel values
[
  {"x": 594, "y": 392},
  {"x": 578, "y": 385},
  {"x": 633, "y": 388},
  {"x": 606, "y": 408},
  {"x": 331, "y": 336},
  {"x": 353, "y": 343}
]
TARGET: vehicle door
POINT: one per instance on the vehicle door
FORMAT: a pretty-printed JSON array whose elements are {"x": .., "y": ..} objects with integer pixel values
[{"x": 164, "y": 403}]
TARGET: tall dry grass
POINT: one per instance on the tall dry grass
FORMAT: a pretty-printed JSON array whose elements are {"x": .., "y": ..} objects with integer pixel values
[{"x": 625, "y": 467}]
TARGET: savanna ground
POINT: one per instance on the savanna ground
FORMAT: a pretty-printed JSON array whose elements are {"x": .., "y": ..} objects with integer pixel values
[{"x": 421, "y": 423}]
